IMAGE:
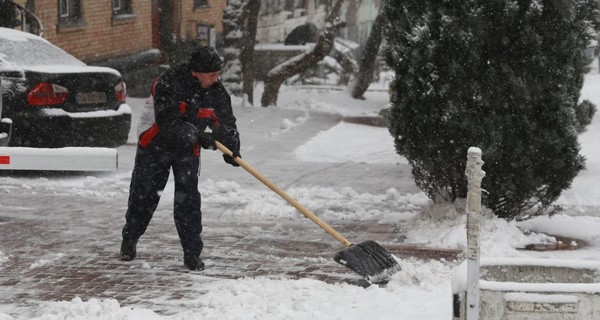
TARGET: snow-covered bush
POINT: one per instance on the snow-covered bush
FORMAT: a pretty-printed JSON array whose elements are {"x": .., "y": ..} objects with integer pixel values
[{"x": 501, "y": 75}]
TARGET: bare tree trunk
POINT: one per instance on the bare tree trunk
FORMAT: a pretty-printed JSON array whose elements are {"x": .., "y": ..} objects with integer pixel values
[
  {"x": 322, "y": 48},
  {"x": 348, "y": 64},
  {"x": 232, "y": 41},
  {"x": 247, "y": 56},
  {"x": 368, "y": 58}
]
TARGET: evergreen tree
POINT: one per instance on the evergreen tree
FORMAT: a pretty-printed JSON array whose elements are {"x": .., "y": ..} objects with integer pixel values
[{"x": 501, "y": 75}]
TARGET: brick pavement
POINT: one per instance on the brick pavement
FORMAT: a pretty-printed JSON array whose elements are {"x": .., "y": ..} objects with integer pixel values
[
  {"x": 57, "y": 256},
  {"x": 60, "y": 234}
]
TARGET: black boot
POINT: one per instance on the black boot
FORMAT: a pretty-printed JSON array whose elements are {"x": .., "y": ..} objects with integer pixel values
[
  {"x": 128, "y": 250},
  {"x": 193, "y": 263}
]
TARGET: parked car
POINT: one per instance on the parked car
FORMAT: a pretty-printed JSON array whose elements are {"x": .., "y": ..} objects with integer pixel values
[{"x": 56, "y": 100}]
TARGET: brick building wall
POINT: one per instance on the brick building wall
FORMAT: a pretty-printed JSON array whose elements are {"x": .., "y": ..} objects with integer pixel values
[
  {"x": 101, "y": 36},
  {"x": 125, "y": 42},
  {"x": 211, "y": 15}
]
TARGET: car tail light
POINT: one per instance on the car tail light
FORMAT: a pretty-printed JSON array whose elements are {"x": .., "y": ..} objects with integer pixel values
[
  {"x": 121, "y": 92},
  {"x": 47, "y": 94}
]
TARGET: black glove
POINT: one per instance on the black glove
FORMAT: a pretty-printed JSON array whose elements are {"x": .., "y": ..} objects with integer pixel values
[
  {"x": 233, "y": 145},
  {"x": 229, "y": 159},
  {"x": 229, "y": 138},
  {"x": 207, "y": 141},
  {"x": 185, "y": 134}
]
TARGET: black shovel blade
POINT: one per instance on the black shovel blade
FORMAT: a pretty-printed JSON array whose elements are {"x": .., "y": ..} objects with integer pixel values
[{"x": 370, "y": 260}]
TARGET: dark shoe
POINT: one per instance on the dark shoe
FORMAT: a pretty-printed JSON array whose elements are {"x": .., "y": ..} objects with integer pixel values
[
  {"x": 193, "y": 263},
  {"x": 128, "y": 250}
]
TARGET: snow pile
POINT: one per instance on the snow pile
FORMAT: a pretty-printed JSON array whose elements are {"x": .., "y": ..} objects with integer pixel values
[
  {"x": 93, "y": 309},
  {"x": 443, "y": 225},
  {"x": 414, "y": 292}
]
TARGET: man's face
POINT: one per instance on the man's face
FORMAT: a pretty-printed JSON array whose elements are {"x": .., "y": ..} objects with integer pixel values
[{"x": 206, "y": 79}]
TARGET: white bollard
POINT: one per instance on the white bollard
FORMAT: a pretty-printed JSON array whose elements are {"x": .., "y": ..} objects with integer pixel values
[{"x": 474, "y": 176}]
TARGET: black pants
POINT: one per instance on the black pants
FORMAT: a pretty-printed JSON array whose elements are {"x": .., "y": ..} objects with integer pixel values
[{"x": 148, "y": 180}]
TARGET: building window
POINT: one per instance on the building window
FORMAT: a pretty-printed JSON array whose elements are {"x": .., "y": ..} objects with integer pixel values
[
  {"x": 206, "y": 35},
  {"x": 121, "y": 7},
  {"x": 69, "y": 10},
  {"x": 200, "y": 4}
]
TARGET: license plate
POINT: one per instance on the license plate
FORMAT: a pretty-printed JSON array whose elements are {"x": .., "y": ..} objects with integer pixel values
[{"x": 90, "y": 97}]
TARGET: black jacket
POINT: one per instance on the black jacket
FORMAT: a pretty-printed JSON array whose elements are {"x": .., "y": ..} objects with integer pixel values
[{"x": 180, "y": 101}]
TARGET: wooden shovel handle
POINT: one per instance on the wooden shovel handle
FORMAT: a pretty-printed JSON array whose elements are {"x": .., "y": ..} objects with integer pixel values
[{"x": 307, "y": 213}]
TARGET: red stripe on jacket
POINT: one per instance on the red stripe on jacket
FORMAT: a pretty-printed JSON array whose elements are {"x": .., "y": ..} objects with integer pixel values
[{"x": 147, "y": 135}]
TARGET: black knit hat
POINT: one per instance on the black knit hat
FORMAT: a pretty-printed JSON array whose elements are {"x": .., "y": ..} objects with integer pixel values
[{"x": 205, "y": 60}]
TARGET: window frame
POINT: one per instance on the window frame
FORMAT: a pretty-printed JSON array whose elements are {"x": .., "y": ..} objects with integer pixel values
[
  {"x": 69, "y": 16},
  {"x": 121, "y": 7},
  {"x": 73, "y": 11},
  {"x": 201, "y": 4}
]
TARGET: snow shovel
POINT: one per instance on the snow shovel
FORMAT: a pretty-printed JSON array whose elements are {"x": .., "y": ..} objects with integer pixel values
[{"x": 368, "y": 258}]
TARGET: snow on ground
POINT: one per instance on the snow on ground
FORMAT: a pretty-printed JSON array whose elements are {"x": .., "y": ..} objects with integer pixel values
[
  {"x": 421, "y": 291},
  {"x": 327, "y": 147}
]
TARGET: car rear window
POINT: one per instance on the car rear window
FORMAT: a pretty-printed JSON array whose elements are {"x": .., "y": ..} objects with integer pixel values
[{"x": 35, "y": 52}]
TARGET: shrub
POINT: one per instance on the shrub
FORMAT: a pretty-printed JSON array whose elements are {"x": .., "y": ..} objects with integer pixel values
[{"x": 501, "y": 75}]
